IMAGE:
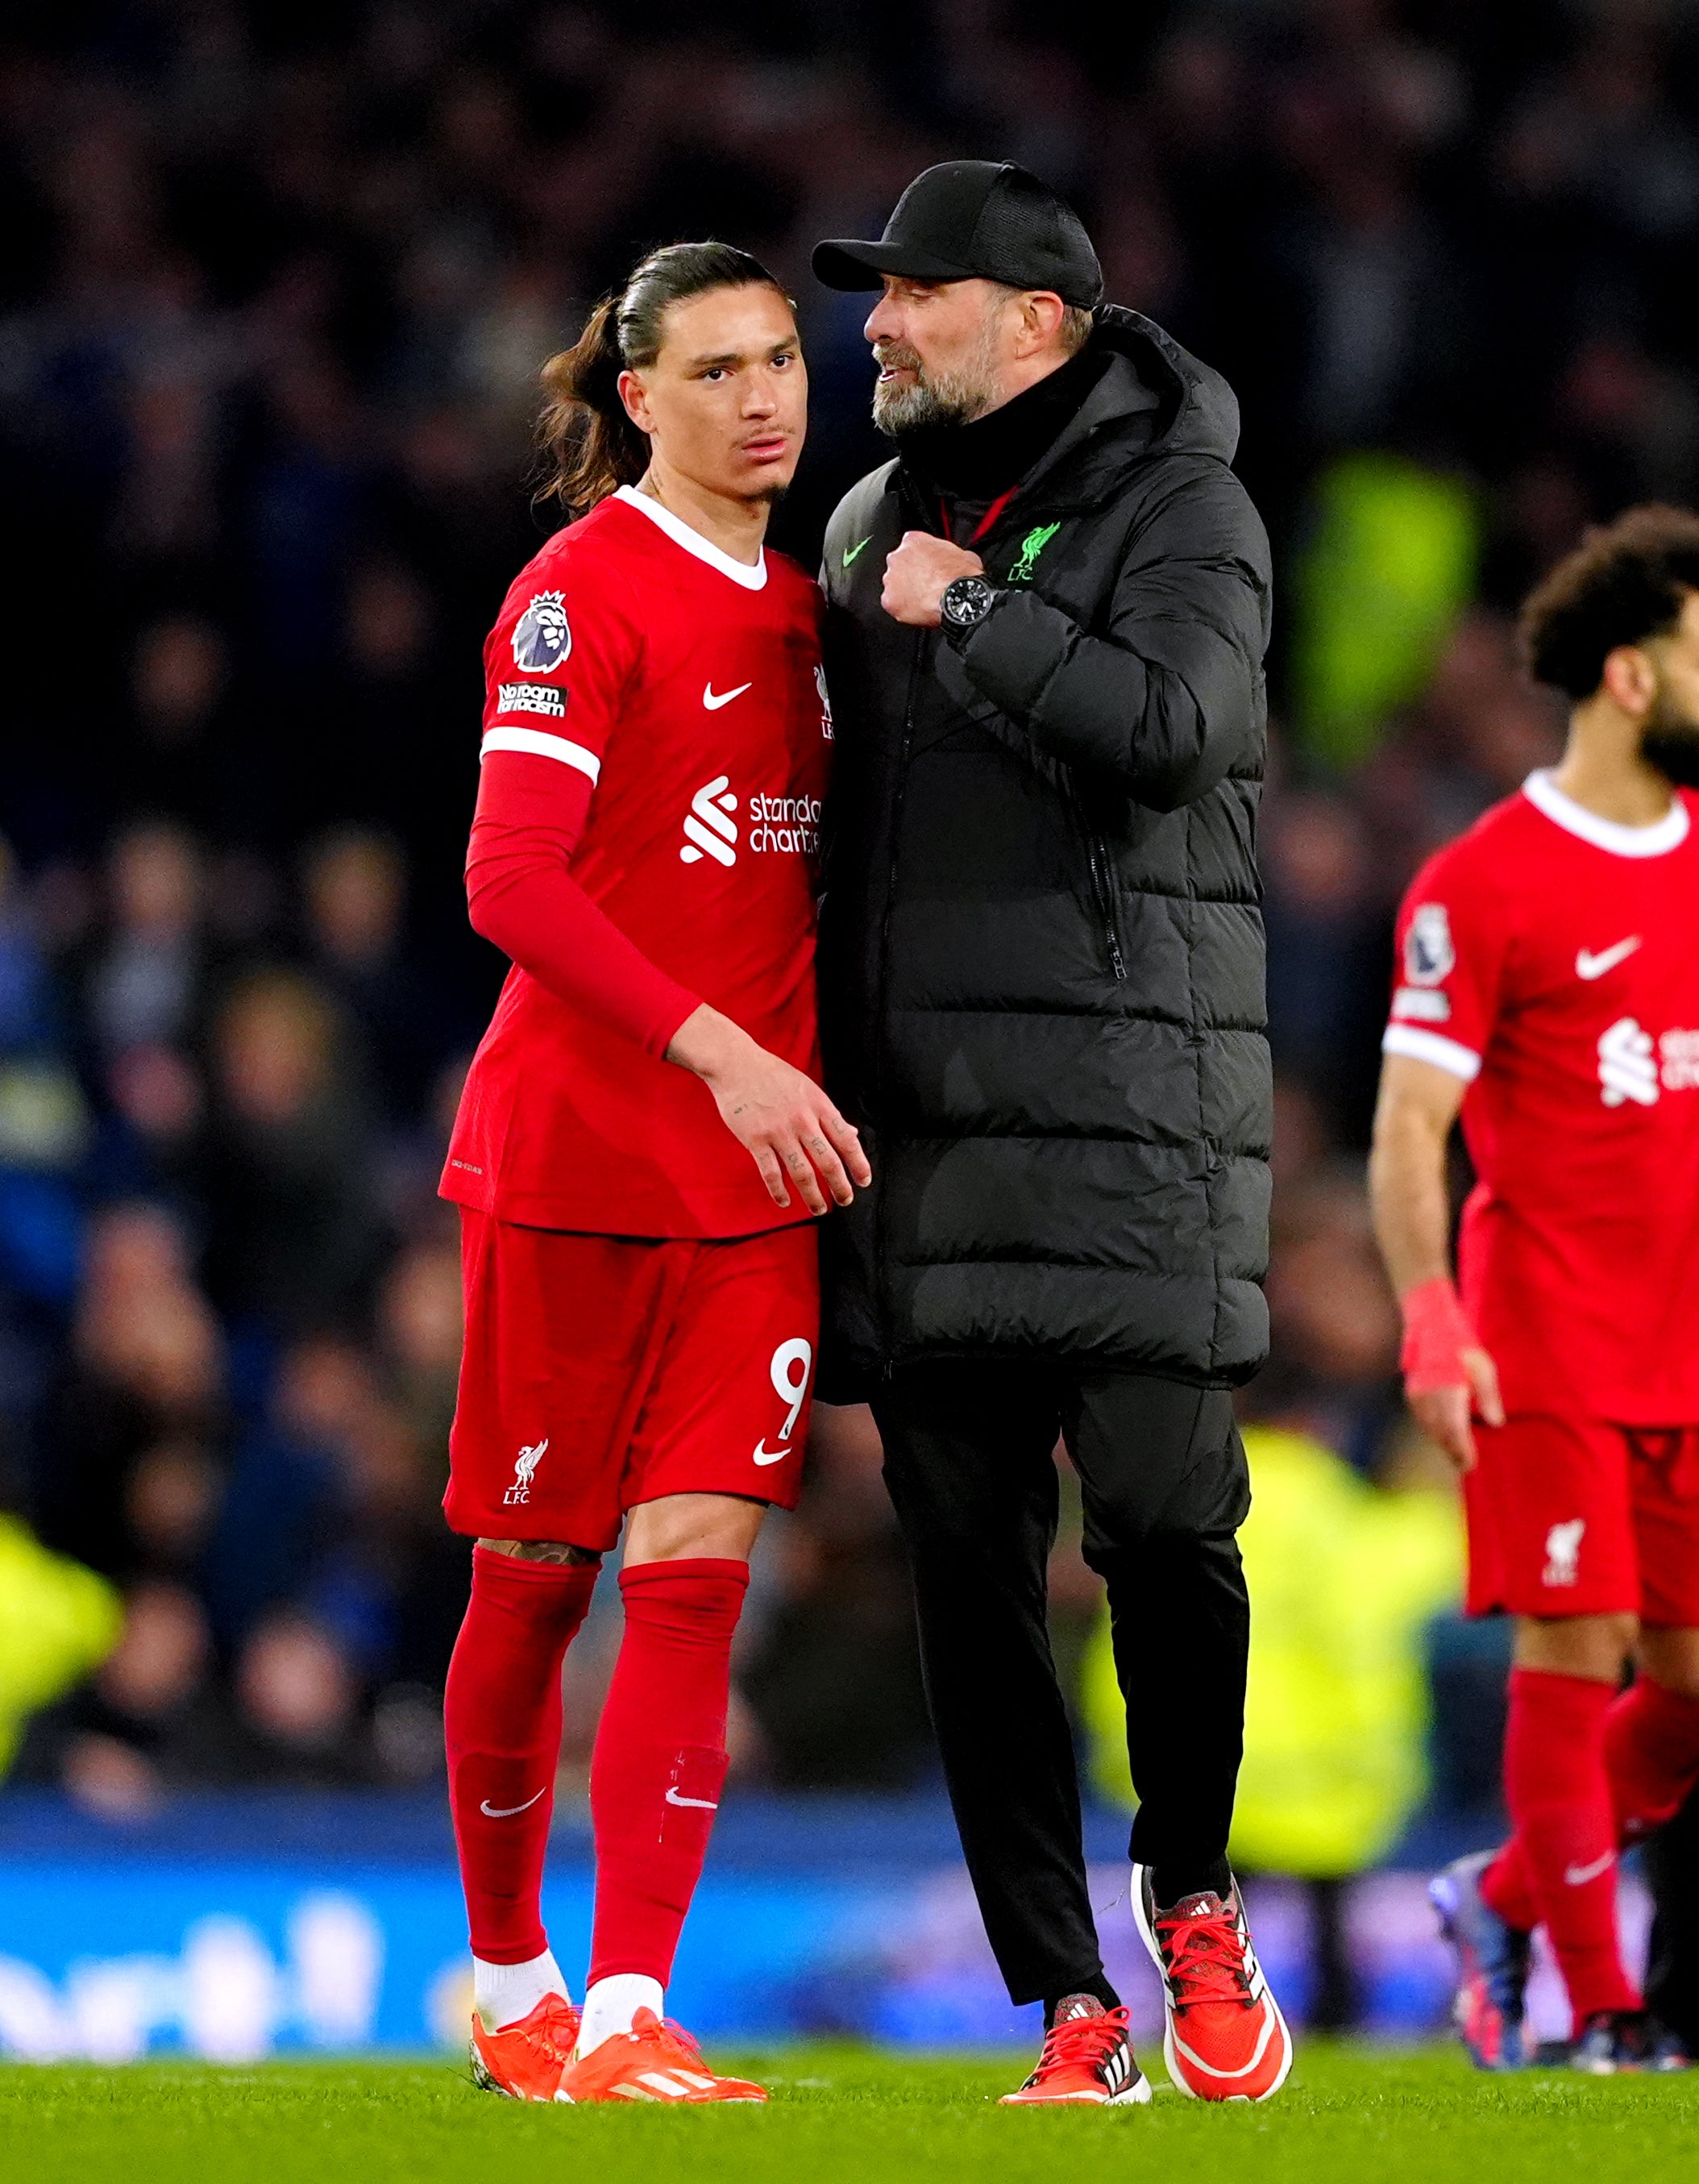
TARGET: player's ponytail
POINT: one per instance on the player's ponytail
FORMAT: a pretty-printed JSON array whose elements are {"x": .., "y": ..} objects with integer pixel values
[{"x": 589, "y": 445}]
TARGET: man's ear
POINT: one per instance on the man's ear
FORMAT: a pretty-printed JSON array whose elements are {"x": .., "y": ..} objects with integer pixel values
[
  {"x": 1041, "y": 316},
  {"x": 1630, "y": 680},
  {"x": 635, "y": 396}
]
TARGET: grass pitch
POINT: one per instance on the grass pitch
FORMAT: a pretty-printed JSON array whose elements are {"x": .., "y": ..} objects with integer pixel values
[{"x": 843, "y": 2115}]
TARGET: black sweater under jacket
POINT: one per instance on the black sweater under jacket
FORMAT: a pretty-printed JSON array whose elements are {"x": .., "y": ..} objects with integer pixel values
[{"x": 1041, "y": 956}]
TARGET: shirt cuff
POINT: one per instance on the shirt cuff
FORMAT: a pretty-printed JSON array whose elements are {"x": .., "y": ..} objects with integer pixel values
[{"x": 673, "y": 1013}]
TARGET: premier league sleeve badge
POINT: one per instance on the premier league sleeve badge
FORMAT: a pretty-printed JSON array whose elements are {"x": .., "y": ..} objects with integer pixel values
[
  {"x": 541, "y": 637},
  {"x": 1429, "y": 958}
]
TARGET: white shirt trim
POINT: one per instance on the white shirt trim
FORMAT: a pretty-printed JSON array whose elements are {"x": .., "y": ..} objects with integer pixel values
[
  {"x": 1665, "y": 834},
  {"x": 1447, "y": 1054},
  {"x": 537, "y": 744},
  {"x": 681, "y": 533}
]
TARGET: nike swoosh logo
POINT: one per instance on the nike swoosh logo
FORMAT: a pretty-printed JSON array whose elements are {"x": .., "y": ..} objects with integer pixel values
[
  {"x": 702, "y": 1804},
  {"x": 1578, "y": 1876},
  {"x": 724, "y": 698},
  {"x": 506, "y": 1811},
  {"x": 766, "y": 1455},
  {"x": 850, "y": 552},
  {"x": 1589, "y": 965}
]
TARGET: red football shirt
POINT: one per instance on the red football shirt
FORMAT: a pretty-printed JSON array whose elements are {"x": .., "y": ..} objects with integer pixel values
[
  {"x": 656, "y": 742},
  {"x": 1551, "y": 959}
]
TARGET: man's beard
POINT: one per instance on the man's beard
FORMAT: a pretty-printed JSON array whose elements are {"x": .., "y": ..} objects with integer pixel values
[
  {"x": 935, "y": 398},
  {"x": 1669, "y": 742}
]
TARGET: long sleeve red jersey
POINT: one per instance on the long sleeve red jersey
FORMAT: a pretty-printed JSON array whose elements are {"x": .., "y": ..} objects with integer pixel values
[{"x": 655, "y": 751}]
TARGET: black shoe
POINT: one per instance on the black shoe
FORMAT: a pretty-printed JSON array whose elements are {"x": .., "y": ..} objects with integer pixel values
[{"x": 1613, "y": 2040}]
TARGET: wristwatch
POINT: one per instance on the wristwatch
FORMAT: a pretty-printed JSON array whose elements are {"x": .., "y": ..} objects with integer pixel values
[{"x": 966, "y": 602}]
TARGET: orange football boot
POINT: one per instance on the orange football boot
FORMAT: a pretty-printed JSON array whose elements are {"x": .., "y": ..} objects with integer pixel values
[
  {"x": 526, "y": 2060},
  {"x": 1226, "y": 2039},
  {"x": 1087, "y": 2058},
  {"x": 656, "y": 2060}
]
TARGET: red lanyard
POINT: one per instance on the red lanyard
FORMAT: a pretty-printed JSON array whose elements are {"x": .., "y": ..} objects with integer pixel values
[{"x": 984, "y": 522}]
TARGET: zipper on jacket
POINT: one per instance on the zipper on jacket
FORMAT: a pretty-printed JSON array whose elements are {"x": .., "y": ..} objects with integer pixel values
[{"x": 1103, "y": 895}]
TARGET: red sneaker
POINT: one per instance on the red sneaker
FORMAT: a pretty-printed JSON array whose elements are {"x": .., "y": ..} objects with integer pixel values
[
  {"x": 527, "y": 2060},
  {"x": 1087, "y": 2057},
  {"x": 656, "y": 2060},
  {"x": 1226, "y": 2039}
]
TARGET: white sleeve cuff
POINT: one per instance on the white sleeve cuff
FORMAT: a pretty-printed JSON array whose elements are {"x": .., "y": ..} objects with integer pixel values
[
  {"x": 536, "y": 743},
  {"x": 1447, "y": 1054}
]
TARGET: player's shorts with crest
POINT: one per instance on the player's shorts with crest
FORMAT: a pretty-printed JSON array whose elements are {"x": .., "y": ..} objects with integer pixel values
[
  {"x": 600, "y": 1372},
  {"x": 1580, "y": 1517}
]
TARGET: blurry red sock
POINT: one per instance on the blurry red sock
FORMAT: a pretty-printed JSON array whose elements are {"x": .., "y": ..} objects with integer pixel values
[
  {"x": 1559, "y": 1797},
  {"x": 500, "y": 1721},
  {"x": 660, "y": 1758},
  {"x": 1508, "y": 1887},
  {"x": 1651, "y": 1755}
]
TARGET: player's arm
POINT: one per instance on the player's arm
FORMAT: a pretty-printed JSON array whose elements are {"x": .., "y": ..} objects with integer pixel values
[{"x": 1446, "y": 1370}]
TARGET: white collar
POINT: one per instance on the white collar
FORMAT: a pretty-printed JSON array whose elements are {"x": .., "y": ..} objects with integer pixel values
[
  {"x": 681, "y": 534},
  {"x": 1664, "y": 834}
]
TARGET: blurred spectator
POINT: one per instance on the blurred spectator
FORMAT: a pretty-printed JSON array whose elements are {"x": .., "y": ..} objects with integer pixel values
[
  {"x": 144, "y": 1371},
  {"x": 1328, "y": 942},
  {"x": 419, "y": 1329},
  {"x": 355, "y": 885},
  {"x": 152, "y": 1720},
  {"x": 295, "y": 1239},
  {"x": 299, "y": 1696},
  {"x": 1334, "y": 1326},
  {"x": 145, "y": 976},
  {"x": 183, "y": 741}
]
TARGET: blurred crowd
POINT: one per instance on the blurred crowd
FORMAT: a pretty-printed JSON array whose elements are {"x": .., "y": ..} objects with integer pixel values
[{"x": 278, "y": 284}]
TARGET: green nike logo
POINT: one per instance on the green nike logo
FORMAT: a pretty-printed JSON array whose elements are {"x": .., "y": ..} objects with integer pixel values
[{"x": 850, "y": 552}]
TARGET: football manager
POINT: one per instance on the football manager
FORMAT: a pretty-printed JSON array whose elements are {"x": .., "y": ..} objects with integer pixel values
[{"x": 1041, "y": 970}]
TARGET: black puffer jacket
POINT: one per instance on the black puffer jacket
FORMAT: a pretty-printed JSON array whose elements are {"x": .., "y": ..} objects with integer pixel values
[{"x": 1041, "y": 956}]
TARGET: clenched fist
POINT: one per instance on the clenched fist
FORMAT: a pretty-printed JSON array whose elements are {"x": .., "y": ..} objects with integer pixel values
[{"x": 916, "y": 573}]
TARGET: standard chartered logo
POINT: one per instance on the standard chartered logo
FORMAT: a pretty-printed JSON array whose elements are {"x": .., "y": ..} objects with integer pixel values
[
  {"x": 787, "y": 825},
  {"x": 779, "y": 825},
  {"x": 709, "y": 828},
  {"x": 1627, "y": 1066}
]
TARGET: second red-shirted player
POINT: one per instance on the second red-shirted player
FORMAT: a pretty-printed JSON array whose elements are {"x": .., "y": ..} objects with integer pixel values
[
  {"x": 641, "y": 1149},
  {"x": 1548, "y": 986}
]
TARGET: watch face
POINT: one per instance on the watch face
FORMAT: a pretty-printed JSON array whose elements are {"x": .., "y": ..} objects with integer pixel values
[{"x": 966, "y": 599}]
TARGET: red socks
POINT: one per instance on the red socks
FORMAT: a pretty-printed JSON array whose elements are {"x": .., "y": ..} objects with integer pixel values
[
  {"x": 660, "y": 1754},
  {"x": 1651, "y": 1753},
  {"x": 660, "y": 1758},
  {"x": 501, "y": 1719},
  {"x": 1564, "y": 1856},
  {"x": 1565, "y": 1732}
]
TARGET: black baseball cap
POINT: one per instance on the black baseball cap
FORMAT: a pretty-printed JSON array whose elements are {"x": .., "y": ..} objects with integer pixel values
[{"x": 973, "y": 220}]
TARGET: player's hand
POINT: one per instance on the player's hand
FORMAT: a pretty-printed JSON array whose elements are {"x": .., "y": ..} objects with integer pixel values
[
  {"x": 916, "y": 573},
  {"x": 1446, "y": 1414},
  {"x": 790, "y": 1130}
]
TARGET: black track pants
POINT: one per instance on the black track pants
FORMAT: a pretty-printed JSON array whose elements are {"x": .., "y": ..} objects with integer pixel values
[{"x": 968, "y": 1459}]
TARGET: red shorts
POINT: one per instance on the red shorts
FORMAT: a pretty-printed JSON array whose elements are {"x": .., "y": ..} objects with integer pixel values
[
  {"x": 1578, "y": 1517},
  {"x": 603, "y": 1371}
]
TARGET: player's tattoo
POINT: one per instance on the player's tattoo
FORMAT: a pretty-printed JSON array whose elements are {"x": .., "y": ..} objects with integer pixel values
[{"x": 543, "y": 1550}]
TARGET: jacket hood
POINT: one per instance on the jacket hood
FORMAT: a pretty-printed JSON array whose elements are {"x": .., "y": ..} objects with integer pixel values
[{"x": 1197, "y": 412}]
